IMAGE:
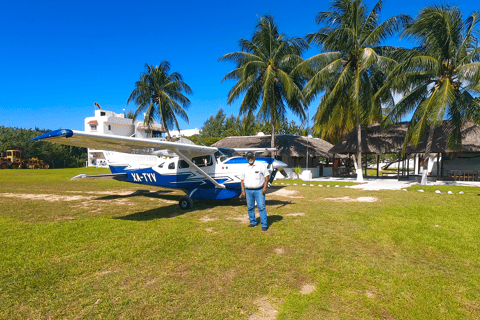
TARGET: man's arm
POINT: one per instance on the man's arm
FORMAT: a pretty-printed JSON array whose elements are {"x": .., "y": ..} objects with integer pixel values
[
  {"x": 267, "y": 176},
  {"x": 265, "y": 184},
  {"x": 243, "y": 189}
]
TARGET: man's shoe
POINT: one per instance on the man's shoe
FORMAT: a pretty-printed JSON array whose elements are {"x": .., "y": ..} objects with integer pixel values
[
  {"x": 252, "y": 225},
  {"x": 264, "y": 229}
]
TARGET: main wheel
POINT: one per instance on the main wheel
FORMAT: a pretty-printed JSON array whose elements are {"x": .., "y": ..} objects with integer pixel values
[
  {"x": 14, "y": 166},
  {"x": 3, "y": 165},
  {"x": 185, "y": 203}
]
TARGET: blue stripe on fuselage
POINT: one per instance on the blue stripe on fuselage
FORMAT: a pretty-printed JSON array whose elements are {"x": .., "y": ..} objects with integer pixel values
[{"x": 239, "y": 160}]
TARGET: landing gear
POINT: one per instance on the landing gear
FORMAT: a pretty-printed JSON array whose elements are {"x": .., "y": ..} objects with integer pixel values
[{"x": 185, "y": 203}]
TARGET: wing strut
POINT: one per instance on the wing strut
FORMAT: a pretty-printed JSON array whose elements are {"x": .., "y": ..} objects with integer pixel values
[{"x": 203, "y": 173}]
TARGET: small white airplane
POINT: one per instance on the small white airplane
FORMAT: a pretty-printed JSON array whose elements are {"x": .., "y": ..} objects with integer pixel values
[{"x": 204, "y": 173}]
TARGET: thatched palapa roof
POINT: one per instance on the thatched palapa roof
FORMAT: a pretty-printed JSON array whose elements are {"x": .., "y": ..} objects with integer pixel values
[
  {"x": 378, "y": 141},
  {"x": 286, "y": 144}
]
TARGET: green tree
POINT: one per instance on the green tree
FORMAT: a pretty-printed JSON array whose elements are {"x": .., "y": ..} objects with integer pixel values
[
  {"x": 438, "y": 77},
  {"x": 262, "y": 74},
  {"x": 160, "y": 95},
  {"x": 349, "y": 70}
]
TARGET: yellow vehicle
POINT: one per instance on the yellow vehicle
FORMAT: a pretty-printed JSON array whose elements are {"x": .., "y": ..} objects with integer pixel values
[{"x": 14, "y": 160}]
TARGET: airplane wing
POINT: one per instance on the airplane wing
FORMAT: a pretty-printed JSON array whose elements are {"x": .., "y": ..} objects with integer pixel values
[
  {"x": 122, "y": 144},
  {"x": 130, "y": 145}
]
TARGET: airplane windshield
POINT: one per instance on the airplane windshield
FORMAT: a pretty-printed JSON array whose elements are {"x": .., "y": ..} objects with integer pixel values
[{"x": 161, "y": 165}]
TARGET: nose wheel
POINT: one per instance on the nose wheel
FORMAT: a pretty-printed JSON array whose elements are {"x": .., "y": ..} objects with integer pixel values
[{"x": 185, "y": 203}]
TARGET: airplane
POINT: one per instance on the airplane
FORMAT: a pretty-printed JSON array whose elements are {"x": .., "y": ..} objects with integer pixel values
[{"x": 203, "y": 173}]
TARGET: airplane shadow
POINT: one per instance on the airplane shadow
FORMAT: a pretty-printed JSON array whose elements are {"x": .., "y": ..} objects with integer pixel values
[
  {"x": 173, "y": 210},
  {"x": 160, "y": 194}
]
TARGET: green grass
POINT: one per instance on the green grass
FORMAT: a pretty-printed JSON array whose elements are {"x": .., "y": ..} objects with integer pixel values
[{"x": 107, "y": 249}]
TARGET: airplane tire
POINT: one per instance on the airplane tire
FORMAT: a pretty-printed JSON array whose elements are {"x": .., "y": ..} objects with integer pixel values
[{"x": 185, "y": 203}]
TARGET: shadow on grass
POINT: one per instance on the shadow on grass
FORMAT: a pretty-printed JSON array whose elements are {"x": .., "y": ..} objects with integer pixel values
[
  {"x": 160, "y": 194},
  {"x": 173, "y": 210}
]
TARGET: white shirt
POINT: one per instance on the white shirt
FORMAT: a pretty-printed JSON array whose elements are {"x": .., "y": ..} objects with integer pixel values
[{"x": 253, "y": 176}]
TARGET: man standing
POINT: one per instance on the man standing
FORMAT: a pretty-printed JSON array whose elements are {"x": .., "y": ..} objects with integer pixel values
[{"x": 254, "y": 187}]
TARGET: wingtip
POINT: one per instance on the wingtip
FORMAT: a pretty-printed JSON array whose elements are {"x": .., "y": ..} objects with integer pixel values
[{"x": 67, "y": 133}]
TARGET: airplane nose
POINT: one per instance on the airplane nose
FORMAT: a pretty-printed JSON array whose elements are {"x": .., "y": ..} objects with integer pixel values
[{"x": 279, "y": 165}]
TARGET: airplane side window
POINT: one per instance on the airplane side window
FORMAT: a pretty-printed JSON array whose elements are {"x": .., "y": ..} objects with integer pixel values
[
  {"x": 161, "y": 165},
  {"x": 203, "y": 161},
  {"x": 182, "y": 164},
  {"x": 208, "y": 160},
  {"x": 171, "y": 165}
]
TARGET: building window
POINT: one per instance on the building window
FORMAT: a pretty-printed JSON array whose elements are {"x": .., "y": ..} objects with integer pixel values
[
  {"x": 102, "y": 113},
  {"x": 93, "y": 127},
  {"x": 156, "y": 134},
  {"x": 109, "y": 128}
]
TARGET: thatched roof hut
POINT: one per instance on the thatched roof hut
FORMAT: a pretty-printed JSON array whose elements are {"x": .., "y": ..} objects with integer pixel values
[
  {"x": 378, "y": 141},
  {"x": 286, "y": 144}
]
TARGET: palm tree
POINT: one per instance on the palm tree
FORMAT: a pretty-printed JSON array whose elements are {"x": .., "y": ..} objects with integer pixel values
[
  {"x": 438, "y": 77},
  {"x": 262, "y": 71},
  {"x": 160, "y": 95},
  {"x": 349, "y": 70}
]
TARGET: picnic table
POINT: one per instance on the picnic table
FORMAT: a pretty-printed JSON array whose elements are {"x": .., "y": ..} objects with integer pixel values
[{"x": 464, "y": 175}]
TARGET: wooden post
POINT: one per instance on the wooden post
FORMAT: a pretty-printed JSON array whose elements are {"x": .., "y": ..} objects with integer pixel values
[
  {"x": 366, "y": 165},
  {"x": 438, "y": 166},
  {"x": 333, "y": 166},
  {"x": 378, "y": 163},
  {"x": 441, "y": 170}
]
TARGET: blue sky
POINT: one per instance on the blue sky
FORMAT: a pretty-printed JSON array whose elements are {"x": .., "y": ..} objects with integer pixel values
[{"x": 59, "y": 57}]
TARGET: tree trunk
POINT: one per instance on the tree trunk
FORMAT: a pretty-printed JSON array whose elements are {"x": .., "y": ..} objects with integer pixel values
[
  {"x": 272, "y": 144},
  {"x": 427, "y": 156},
  {"x": 359, "y": 151}
]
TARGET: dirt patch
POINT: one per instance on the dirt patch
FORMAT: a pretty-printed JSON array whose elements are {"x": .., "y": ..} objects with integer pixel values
[
  {"x": 265, "y": 310},
  {"x": 285, "y": 193},
  {"x": 210, "y": 230},
  {"x": 238, "y": 218},
  {"x": 348, "y": 199},
  {"x": 45, "y": 197},
  {"x": 64, "y": 218},
  {"x": 279, "y": 251},
  {"x": 107, "y": 192},
  {"x": 207, "y": 219},
  {"x": 295, "y": 214},
  {"x": 368, "y": 294},
  {"x": 307, "y": 288},
  {"x": 168, "y": 201}
]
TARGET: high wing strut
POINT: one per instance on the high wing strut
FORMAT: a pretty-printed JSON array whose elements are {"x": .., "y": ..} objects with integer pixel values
[{"x": 203, "y": 173}]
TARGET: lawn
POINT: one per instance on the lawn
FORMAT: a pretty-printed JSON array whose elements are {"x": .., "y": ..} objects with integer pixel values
[{"x": 88, "y": 249}]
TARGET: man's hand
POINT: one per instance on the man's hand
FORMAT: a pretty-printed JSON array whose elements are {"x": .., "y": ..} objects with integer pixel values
[
  {"x": 242, "y": 195},
  {"x": 264, "y": 190}
]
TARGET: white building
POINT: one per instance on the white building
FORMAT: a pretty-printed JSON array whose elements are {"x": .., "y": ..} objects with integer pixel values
[
  {"x": 108, "y": 122},
  {"x": 184, "y": 133}
]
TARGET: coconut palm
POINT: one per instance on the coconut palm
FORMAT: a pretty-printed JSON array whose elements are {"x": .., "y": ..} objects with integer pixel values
[
  {"x": 160, "y": 95},
  {"x": 350, "y": 69},
  {"x": 262, "y": 74},
  {"x": 438, "y": 77}
]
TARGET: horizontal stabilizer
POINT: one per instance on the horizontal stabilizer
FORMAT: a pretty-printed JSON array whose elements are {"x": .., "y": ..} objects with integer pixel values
[{"x": 115, "y": 176}]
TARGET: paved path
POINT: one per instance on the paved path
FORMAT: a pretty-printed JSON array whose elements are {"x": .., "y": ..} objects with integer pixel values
[{"x": 393, "y": 184}]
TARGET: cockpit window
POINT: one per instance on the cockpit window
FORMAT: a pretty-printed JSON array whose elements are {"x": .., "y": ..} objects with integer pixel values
[
  {"x": 161, "y": 165},
  {"x": 171, "y": 165}
]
